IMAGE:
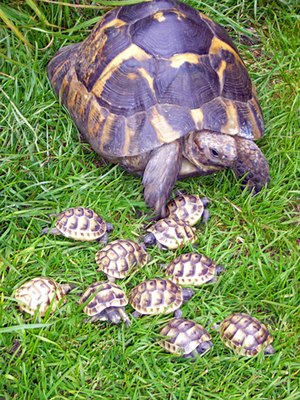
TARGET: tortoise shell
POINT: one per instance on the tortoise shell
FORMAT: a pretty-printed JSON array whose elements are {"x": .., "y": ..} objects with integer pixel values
[
  {"x": 184, "y": 335},
  {"x": 156, "y": 296},
  {"x": 173, "y": 233},
  {"x": 119, "y": 257},
  {"x": 188, "y": 208},
  {"x": 109, "y": 295},
  {"x": 191, "y": 269},
  {"x": 245, "y": 334},
  {"x": 153, "y": 72},
  {"x": 81, "y": 223},
  {"x": 38, "y": 293}
]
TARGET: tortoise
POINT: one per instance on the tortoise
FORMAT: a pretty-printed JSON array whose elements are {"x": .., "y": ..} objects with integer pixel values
[
  {"x": 157, "y": 296},
  {"x": 107, "y": 305},
  {"x": 189, "y": 208},
  {"x": 38, "y": 293},
  {"x": 81, "y": 223},
  {"x": 120, "y": 257},
  {"x": 246, "y": 335},
  {"x": 170, "y": 233},
  {"x": 192, "y": 269},
  {"x": 161, "y": 89},
  {"x": 185, "y": 337}
]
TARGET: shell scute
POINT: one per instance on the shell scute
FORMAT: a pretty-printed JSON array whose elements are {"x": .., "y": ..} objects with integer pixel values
[
  {"x": 109, "y": 295},
  {"x": 184, "y": 336},
  {"x": 81, "y": 223},
  {"x": 245, "y": 334},
  {"x": 172, "y": 232},
  {"x": 121, "y": 257},
  {"x": 38, "y": 293},
  {"x": 191, "y": 268},
  {"x": 155, "y": 296}
]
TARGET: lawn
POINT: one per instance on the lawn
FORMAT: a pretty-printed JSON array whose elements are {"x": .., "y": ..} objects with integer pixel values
[{"x": 46, "y": 168}]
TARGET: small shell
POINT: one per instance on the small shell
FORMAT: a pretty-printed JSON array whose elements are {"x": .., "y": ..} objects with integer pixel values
[
  {"x": 120, "y": 257},
  {"x": 191, "y": 269},
  {"x": 81, "y": 223},
  {"x": 173, "y": 233},
  {"x": 109, "y": 295},
  {"x": 38, "y": 293},
  {"x": 188, "y": 208},
  {"x": 184, "y": 336},
  {"x": 245, "y": 334},
  {"x": 154, "y": 296}
]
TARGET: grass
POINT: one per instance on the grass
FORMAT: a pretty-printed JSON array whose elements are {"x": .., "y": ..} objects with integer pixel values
[{"x": 45, "y": 168}]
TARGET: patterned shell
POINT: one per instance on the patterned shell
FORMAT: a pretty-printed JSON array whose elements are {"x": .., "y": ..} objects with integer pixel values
[
  {"x": 191, "y": 269},
  {"x": 188, "y": 208},
  {"x": 119, "y": 257},
  {"x": 40, "y": 292},
  {"x": 173, "y": 233},
  {"x": 153, "y": 72},
  {"x": 154, "y": 296},
  {"x": 184, "y": 336},
  {"x": 80, "y": 223},
  {"x": 245, "y": 334},
  {"x": 109, "y": 295}
]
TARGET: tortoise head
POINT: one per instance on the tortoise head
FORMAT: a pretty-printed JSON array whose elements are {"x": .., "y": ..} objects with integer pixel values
[
  {"x": 204, "y": 347},
  {"x": 187, "y": 294},
  {"x": 269, "y": 349},
  {"x": 210, "y": 148},
  {"x": 149, "y": 240}
]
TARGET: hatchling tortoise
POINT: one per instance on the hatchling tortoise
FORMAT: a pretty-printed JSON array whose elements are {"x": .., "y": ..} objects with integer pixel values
[
  {"x": 246, "y": 335},
  {"x": 170, "y": 233},
  {"x": 189, "y": 208},
  {"x": 38, "y": 293},
  {"x": 157, "y": 296},
  {"x": 107, "y": 305},
  {"x": 120, "y": 257},
  {"x": 161, "y": 89},
  {"x": 192, "y": 269},
  {"x": 185, "y": 337},
  {"x": 81, "y": 223}
]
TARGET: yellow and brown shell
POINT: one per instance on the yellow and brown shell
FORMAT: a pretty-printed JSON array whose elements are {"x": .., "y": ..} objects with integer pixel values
[
  {"x": 156, "y": 296},
  {"x": 38, "y": 293},
  {"x": 245, "y": 334},
  {"x": 81, "y": 223},
  {"x": 109, "y": 295},
  {"x": 173, "y": 233},
  {"x": 120, "y": 257},
  {"x": 191, "y": 269},
  {"x": 188, "y": 208},
  {"x": 184, "y": 335},
  {"x": 151, "y": 73}
]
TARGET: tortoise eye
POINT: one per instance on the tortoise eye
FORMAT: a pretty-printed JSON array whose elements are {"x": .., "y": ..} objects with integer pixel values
[{"x": 214, "y": 153}]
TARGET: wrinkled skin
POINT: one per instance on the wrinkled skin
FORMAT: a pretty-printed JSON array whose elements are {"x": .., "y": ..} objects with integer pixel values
[{"x": 198, "y": 154}]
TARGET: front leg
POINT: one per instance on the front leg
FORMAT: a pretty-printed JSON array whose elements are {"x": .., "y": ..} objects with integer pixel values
[
  {"x": 160, "y": 175},
  {"x": 251, "y": 161}
]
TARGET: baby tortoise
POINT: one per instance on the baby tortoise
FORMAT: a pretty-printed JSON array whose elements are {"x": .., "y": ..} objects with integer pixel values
[
  {"x": 189, "y": 208},
  {"x": 107, "y": 305},
  {"x": 81, "y": 223},
  {"x": 246, "y": 335},
  {"x": 38, "y": 293},
  {"x": 185, "y": 337},
  {"x": 192, "y": 269},
  {"x": 170, "y": 233},
  {"x": 157, "y": 296},
  {"x": 120, "y": 257}
]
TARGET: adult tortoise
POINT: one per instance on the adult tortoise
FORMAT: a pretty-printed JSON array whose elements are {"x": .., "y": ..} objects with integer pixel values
[{"x": 161, "y": 89}]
